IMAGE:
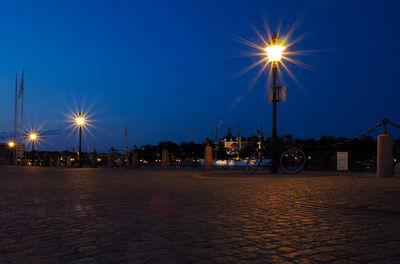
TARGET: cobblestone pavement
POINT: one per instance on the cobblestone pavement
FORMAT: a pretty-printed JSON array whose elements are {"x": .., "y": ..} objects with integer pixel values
[{"x": 149, "y": 216}]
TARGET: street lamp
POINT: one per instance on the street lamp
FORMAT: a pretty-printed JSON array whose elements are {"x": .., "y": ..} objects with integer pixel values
[
  {"x": 33, "y": 137},
  {"x": 80, "y": 122},
  {"x": 11, "y": 146},
  {"x": 274, "y": 53}
]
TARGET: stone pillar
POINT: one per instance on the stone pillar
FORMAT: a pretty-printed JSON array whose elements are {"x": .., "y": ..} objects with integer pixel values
[
  {"x": 51, "y": 162},
  {"x": 135, "y": 160},
  {"x": 110, "y": 160},
  {"x": 69, "y": 161},
  {"x": 208, "y": 159},
  {"x": 384, "y": 159},
  {"x": 165, "y": 160},
  {"x": 58, "y": 162}
]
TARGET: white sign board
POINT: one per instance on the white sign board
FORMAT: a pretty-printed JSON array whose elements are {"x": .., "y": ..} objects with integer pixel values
[{"x": 342, "y": 161}]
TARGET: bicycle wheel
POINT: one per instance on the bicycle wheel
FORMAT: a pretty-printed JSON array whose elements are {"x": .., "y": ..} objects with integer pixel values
[
  {"x": 292, "y": 160},
  {"x": 253, "y": 162}
]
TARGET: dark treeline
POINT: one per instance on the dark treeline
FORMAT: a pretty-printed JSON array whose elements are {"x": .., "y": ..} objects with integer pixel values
[
  {"x": 190, "y": 150},
  {"x": 321, "y": 153}
]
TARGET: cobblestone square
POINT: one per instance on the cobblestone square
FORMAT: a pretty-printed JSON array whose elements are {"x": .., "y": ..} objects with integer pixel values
[{"x": 51, "y": 215}]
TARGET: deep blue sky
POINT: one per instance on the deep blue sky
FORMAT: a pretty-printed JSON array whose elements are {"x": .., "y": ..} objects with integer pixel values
[{"x": 166, "y": 69}]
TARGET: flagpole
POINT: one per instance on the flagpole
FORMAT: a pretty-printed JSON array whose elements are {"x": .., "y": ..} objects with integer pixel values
[
  {"x": 22, "y": 110},
  {"x": 16, "y": 116}
]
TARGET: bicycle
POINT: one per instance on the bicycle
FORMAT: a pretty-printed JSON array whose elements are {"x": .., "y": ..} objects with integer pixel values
[{"x": 291, "y": 158}]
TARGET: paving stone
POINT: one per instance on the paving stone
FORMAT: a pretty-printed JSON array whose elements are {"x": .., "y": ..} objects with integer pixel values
[
  {"x": 323, "y": 258},
  {"x": 100, "y": 216},
  {"x": 85, "y": 260}
]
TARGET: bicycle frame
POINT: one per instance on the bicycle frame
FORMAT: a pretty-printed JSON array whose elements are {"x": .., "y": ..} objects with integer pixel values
[{"x": 292, "y": 159}]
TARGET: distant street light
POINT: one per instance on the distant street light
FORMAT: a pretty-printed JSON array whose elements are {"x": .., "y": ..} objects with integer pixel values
[
  {"x": 33, "y": 137},
  {"x": 11, "y": 144},
  {"x": 80, "y": 122},
  {"x": 274, "y": 53}
]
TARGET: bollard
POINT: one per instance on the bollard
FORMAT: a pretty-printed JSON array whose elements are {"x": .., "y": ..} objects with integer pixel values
[
  {"x": 69, "y": 161},
  {"x": 384, "y": 160},
  {"x": 208, "y": 159},
  {"x": 110, "y": 160},
  {"x": 165, "y": 160},
  {"x": 135, "y": 160}
]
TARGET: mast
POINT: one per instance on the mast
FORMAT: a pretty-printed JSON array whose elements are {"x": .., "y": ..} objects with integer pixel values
[
  {"x": 216, "y": 140},
  {"x": 126, "y": 144},
  {"x": 239, "y": 140},
  {"x": 16, "y": 116},
  {"x": 238, "y": 131},
  {"x": 21, "y": 93}
]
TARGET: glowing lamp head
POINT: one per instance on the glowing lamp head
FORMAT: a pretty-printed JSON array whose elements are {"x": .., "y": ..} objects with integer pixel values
[
  {"x": 11, "y": 144},
  {"x": 274, "y": 52},
  {"x": 80, "y": 120},
  {"x": 33, "y": 136}
]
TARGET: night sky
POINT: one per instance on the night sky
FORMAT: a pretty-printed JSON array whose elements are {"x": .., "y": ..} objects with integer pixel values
[{"x": 168, "y": 69}]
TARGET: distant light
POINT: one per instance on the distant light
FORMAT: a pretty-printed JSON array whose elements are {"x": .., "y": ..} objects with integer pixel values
[
  {"x": 33, "y": 136},
  {"x": 275, "y": 52},
  {"x": 80, "y": 120},
  {"x": 11, "y": 144}
]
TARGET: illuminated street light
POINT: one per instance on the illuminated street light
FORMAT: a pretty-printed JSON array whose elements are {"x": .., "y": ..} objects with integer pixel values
[
  {"x": 80, "y": 122},
  {"x": 274, "y": 52},
  {"x": 11, "y": 146},
  {"x": 33, "y": 136}
]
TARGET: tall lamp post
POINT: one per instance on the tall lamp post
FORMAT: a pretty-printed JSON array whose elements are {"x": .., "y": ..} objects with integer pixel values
[
  {"x": 11, "y": 146},
  {"x": 33, "y": 138},
  {"x": 274, "y": 52},
  {"x": 80, "y": 121}
]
